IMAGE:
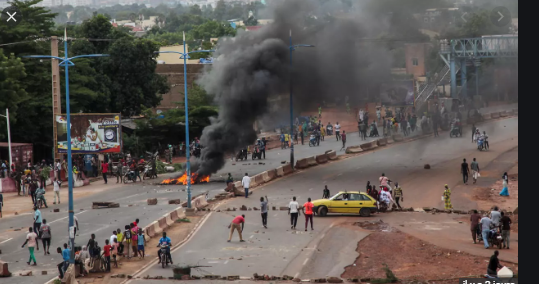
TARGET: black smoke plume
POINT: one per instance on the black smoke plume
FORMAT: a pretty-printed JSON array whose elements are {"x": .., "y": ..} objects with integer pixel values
[{"x": 254, "y": 66}]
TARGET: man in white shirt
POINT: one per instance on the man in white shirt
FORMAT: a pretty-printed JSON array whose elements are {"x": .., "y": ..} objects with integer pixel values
[
  {"x": 58, "y": 169},
  {"x": 245, "y": 182},
  {"x": 337, "y": 130},
  {"x": 293, "y": 211},
  {"x": 56, "y": 183}
]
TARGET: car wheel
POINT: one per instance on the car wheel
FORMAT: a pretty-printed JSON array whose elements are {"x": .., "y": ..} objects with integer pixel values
[
  {"x": 365, "y": 212},
  {"x": 323, "y": 211}
]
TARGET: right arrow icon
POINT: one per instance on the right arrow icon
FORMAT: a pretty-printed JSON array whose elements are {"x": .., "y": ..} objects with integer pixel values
[{"x": 501, "y": 16}]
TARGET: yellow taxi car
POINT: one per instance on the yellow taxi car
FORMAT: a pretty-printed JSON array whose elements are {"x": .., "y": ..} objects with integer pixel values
[{"x": 346, "y": 202}]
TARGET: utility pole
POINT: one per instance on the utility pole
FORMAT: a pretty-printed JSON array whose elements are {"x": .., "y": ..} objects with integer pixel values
[{"x": 56, "y": 95}]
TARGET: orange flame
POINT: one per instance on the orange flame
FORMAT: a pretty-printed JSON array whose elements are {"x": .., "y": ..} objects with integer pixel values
[{"x": 183, "y": 179}]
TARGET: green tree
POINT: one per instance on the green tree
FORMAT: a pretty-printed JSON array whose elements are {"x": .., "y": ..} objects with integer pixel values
[
  {"x": 131, "y": 69},
  {"x": 33, "y": 121},
  {"x": 219, "y": 13},
  {"x": 195, "y": 10},
  {"x": 12, "y": 92}
]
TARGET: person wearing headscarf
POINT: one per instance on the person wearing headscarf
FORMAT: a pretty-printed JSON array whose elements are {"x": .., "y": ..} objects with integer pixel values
[
  {"x": 385, "y": 196},
  {"x": 505, "y": 190},
  {"x": 447, "y": 198}
]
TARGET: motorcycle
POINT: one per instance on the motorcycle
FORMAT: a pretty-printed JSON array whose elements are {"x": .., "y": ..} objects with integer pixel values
[
  {"x": 165, "y": 260},
  {"x": 149, "y": 172},
  {"x": 196, "y": 152},
  {"x": 257, "y": 153},
  {"x": 312, "y": 141},
  {"x": 130, "y": 176},
  {"x": 480, "y": 144},
  {"x": 374, "y": 131},
  {"x": 242, "y": 154},
  {"x": 456, "y": 131},
  {"x": 40, "y": 201}
]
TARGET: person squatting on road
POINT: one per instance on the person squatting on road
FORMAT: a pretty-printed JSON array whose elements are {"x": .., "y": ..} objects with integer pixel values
[
  {"x": 475, "y": 170},
  {"x": 308, "y": 212},
  {"x": 494, "y": 264},
  {"x": 235, "y": 225},
  {"x": 245, "y": 182},
  {"x": 447, "y": 198},
  {"x": 264, "y": 211},
  {"x": 293, "y": 211}
]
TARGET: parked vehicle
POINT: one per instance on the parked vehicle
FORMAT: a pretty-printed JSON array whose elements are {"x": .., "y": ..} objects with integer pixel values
[
  {"x": 257, "y": 153},
  {"x": 242, "y": 155}
]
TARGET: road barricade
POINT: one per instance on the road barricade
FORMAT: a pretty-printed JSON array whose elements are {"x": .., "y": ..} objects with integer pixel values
[
  {"x": 495, "y": 115},
  {"x": 355, "y": 149},
  {"x": 312, "y": 161},
  {"x": 280, "y": 171},
  {"x": 287, "y": 169},
  {"x": 397, "y": 137},
  {"x": 199, "y": 202},
  {"x": 381, "y": 142},
  {"x": 269, "y": 175},
  {"x": 332, "y": 155},
  {"x": 486, "y": 116},
  {"x": 366, "y": 146},
  {"x": 4, "y": 271},
  {"x": 515, "y": 111},
  {"x": 162, "y": 222},
  {"x": 259, "y": 179},
  {"x": 302, "y": 164},
  {"x": 168, "y": 219},
  {"x": 503, "y": 114},
  {"x": 322, "y": 159}
]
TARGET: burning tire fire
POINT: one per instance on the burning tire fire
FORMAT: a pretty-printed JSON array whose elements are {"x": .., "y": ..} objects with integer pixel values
[{"x": 195, "y": 178}]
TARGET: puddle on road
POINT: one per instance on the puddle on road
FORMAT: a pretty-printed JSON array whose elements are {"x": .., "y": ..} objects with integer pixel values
[{"x": 378, "y": 226}]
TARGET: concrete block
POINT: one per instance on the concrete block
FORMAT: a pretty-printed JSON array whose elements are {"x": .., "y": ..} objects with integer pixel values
[
  {"x": 397, "y": 137},
  {"x": 259, "y": 179},
  {"x": 354, "y": 149},
  {"x": 311, "y": 161},
  {"x": 287, "y": 169},
  {"x": 302, "y": 164},
  {"x": 503, "y": 114},
  {"x": 4, "y": 271},
  {"x": 322, "y": 159},
  {"x": 381, "y": 142},
  {"x": 495, "y": 115},
  {"x": 487, "y": 116},
  {"x": 332, "y": 155},
  {"x": 175, "y": 201},
  {"x": 152, "y": 201},
  {"x": 279, "y": 171},
  {"x": 366, "y": 146}
]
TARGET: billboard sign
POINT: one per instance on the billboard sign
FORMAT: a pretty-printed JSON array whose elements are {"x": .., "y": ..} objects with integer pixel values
[
  {"x": 90, "y": 133},
  {"x": 397, "y": 93}
]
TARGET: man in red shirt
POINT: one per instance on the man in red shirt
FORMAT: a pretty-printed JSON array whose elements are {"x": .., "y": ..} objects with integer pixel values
[
  {"x": 105, "y": 167},
  {"x": 106, "y": 253},
  {"x": 235, "y": 225},
  {"x": 308, "y": 212}
]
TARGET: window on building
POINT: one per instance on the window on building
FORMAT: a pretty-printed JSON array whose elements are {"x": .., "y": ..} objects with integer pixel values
[{"x": 415, "y": 61}]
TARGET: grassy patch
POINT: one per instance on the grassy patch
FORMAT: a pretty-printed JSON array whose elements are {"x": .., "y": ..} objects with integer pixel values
[
  {"x": 184, "y": 220},
  {"x": 390, "y": 277}
]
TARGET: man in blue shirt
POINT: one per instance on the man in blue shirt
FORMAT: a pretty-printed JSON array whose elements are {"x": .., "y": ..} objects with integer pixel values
[
  {"x": 37, "y": 221},
  {"x": 282, "y": 140},
  {"x": 62, "y": 266},
  {"x": 164, "y": 241}
]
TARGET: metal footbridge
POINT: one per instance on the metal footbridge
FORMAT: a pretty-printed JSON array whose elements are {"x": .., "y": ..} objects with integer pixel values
[{"x": 456, "y": 52}]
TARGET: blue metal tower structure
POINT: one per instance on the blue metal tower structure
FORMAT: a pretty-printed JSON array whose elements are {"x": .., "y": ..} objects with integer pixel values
[{"x": 455, "y": 53}]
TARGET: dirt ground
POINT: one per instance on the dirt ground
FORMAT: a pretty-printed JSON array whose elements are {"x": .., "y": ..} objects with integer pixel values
[
  {"x": 178, "y": 231},
  {"x": 411, "y": 259},
  {"x": 486, "y": 197}
]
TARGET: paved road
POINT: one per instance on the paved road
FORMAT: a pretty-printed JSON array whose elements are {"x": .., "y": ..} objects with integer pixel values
[
  {"x": 279, "y": 250},
  {"x": 342, "y": 175}
]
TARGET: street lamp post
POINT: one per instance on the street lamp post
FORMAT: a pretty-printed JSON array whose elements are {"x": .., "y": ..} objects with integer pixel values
[
  {"x": 8, "y": 138},
  {"x": 292, "y": 48},
  {"x": 185, "y": 56},
  {"x": 66, "y": 62}
]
